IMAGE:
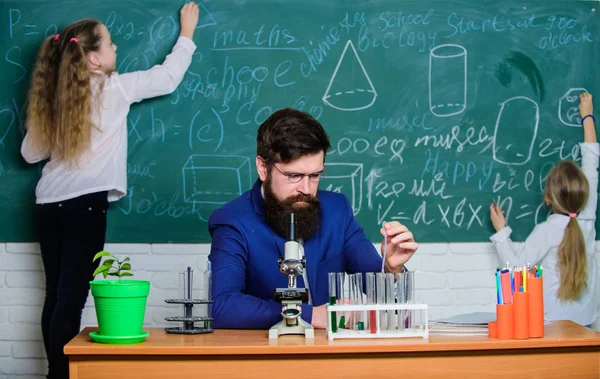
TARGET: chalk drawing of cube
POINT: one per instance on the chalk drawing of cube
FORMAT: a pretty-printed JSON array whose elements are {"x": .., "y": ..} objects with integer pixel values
[
  {"x": 345, "y": 178},
  {"x": 215, "y": 179}
]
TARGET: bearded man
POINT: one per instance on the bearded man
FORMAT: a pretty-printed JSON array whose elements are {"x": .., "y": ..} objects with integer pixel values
[{"x": 249, "y": 233}]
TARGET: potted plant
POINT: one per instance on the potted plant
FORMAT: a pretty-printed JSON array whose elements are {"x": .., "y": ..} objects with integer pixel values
[{"x": 120, "y": 304}]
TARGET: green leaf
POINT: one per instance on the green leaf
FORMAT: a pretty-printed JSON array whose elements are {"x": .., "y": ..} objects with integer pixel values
[
  {"x": 101, "y": 254},
  {"x": 106, "y": 265},
  {"x": 102, "y": 269},
  {"x": 113, "y": 263},
  {"x": 105, "y": 272}
]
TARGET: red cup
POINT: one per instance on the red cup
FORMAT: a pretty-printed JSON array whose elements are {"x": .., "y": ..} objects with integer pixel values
[
  {"x": 521, "y": 315},
  {"x": 535, "y": 287},
  {"x": 505, "y": 320},
  {"x": 493, "y": 329}
]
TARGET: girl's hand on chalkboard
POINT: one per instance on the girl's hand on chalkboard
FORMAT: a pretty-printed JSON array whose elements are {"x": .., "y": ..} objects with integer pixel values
[
  {"x": 188, "y": 17},
  {"x": 585, "y": 104},
  {"x": 400, "y": 246},
  {"x": 586, "y": 108},
  {"x": 497, "y": 217}
]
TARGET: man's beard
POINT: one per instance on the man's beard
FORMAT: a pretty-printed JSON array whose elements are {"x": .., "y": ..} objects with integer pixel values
[{"x": 277, "y": 212}]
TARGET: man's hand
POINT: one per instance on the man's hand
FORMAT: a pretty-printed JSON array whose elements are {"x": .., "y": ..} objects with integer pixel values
[
  {"x": 400, "y": 247},
  {"x": 319, "y": 317}
]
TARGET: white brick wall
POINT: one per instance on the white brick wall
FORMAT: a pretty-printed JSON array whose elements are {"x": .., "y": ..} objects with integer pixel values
[{"x": 447, "y": 275}]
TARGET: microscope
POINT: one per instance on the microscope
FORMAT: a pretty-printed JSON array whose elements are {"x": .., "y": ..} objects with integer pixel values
[{"x": 291, "y": 297}]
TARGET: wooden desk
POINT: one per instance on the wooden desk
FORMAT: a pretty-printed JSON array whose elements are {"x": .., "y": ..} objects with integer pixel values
[{"x": 568, "y": 350}]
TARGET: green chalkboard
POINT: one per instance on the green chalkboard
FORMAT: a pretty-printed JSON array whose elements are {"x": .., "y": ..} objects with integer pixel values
[{"x": 434, "y": 108}]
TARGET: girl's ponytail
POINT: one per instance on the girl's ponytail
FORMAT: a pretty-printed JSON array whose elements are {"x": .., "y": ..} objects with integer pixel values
[
  {"x": 42, "y": 91},
  {"x": 59, "y": 112},
  {"x": 567, "y": 190},
  {"x": 72, "y": 104},
  {"x": 572, "y": 263}
]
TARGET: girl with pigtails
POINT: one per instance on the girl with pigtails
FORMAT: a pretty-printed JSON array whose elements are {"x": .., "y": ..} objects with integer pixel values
[
  {"x": 77, "y": 119},
  {"x": 563, "y": 245}
]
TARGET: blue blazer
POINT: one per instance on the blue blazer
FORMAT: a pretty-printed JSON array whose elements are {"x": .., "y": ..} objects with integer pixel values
[{"x": 245, "y": 251}]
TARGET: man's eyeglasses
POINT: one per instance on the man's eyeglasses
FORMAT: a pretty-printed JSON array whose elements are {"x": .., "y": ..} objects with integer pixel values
[{"x": 297, "y": 177}]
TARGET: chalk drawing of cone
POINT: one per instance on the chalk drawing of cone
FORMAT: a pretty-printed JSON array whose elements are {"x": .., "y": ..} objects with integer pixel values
[
  {"x": 516, "y": 129},
  {"x": 447, "y": 80},
  {"x": 568, "y": 107},
  {"x": 350, "y": 88}
]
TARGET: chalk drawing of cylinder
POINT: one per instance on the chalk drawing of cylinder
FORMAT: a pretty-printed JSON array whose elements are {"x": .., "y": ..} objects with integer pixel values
[
  {"x": 447, "y": 80},
  {"x": 516, "y": 129}
]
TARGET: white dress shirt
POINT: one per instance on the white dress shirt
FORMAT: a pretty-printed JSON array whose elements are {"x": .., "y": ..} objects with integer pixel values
[
  {"x": 103, "y": 167},
  {"x": 541, "y": 246}
]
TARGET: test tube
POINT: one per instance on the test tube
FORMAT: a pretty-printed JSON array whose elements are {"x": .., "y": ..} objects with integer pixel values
[
  {"x": 182, "y": 288},
  {"x": 370, "y": 283},
  {"x": 351, "y": 319},
  {"x": 208, "y": 288},
  {"x": 332, "y": 300},
  {"x": 185, "y": 283},
  {"x": 401, "y": 293},
  {"x": 389, "y": 299},
  {"x": 341, "y": 276},
  {"x": 409, "y": 277},
  {"x": 410, "y": 287},
  {"x": 381, "y": 299},
  {"x": 359, "y": 299}
]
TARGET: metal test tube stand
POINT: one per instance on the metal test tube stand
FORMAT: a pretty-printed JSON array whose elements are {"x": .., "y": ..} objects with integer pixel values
[
  {"x": 188, "y": 302},
  {"x": 291, "y": 297}
]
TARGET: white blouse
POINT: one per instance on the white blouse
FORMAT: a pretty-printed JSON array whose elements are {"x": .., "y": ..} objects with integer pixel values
[
  {"x": 104, "y": 166},
  {"x": 541, "y": 246}
]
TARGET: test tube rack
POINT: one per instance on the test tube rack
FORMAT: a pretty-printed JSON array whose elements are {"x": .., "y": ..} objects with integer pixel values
[
  {"x": 413, "y": 311},
  {"x": 188, "y": 318}
]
